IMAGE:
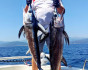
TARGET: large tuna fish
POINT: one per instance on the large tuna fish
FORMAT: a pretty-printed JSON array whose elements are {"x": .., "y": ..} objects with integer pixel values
[
  {"x": 57, "y": 35},
  {"x": 30, "y": 30}
]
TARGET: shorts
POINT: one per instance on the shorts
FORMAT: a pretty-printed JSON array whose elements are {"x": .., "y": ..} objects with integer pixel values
[{"x": 41, "y": 45}]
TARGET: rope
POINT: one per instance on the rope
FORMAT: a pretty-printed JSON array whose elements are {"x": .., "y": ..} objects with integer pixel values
[
  {"x": 84, "y": 64},
  {"x": 22, "y": 60}
]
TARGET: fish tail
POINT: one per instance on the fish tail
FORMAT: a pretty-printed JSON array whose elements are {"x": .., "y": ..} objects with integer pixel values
[{"x": 64, "y": 61}]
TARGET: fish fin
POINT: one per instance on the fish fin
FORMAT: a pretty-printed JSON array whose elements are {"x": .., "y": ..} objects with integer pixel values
[
  {"x": 43, "y": 37},
  {"x": 64, "y": 61},
  {"x": 20, "y": 31},
  {"x": 66, "y": 37},
  {"x": 48, "y": 58},
  {"x": 42, "y": 29}
]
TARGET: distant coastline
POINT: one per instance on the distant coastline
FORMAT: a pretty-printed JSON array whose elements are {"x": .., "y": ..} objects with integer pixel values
[
  {"x": 12, "y": 44},
  {"x": 24, "y": 43}
]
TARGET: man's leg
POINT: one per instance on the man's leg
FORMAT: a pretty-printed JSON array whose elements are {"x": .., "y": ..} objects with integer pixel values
[
  {"x": 41, "y": 45},
  {"x": 60, "y": 67},
  {"x": 34, "y": 66}
]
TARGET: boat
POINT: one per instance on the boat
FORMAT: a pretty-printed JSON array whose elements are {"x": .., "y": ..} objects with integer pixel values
[{"x": 26, "y": 66}]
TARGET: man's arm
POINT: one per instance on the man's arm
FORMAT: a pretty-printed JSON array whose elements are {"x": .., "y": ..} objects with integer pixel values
[
  {"x": 61, "y": 9},
  {"x": 26, "y": 8}
]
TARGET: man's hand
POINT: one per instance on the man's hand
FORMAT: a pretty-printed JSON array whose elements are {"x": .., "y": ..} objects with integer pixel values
[{"x": 28, "y": 2}]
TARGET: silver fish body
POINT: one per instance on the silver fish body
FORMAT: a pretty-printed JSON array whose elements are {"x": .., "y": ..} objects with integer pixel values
[
  {"x": 57, "y": 36},
  {"x": 33, "y": 46},
  {"x": 56, "y": 47},
  {"x": 28, "y": 31}
]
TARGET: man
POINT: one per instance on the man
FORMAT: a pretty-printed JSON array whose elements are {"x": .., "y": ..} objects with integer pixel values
[{"x": 44, "y": 12}]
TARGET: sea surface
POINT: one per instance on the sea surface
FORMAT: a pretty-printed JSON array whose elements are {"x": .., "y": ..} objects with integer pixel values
[{"x": 75, "y": 54}]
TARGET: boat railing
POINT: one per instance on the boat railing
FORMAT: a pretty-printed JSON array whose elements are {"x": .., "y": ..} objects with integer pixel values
[
  {"x": 15, "y": 59},
  {"x": 85, "y": 64}
]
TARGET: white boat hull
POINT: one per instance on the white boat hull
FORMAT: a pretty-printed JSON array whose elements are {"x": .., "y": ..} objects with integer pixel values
[{"x": 26, "y": 67}]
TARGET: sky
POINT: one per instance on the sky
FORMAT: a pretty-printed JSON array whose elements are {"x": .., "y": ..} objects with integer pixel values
[{"x": 11, "y": 18}]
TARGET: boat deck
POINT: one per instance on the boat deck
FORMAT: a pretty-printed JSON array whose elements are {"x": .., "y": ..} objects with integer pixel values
[{"x": 26, "y": 67}]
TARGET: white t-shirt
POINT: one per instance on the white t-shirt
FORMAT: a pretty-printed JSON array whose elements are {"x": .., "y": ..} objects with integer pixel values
[{"x": 43, "y": 11}]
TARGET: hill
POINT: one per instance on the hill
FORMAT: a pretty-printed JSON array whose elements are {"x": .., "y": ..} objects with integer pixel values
[
  {"x": 11, "y": 44},
  {"x": 81, "y": 41},
  {"x": 24, "y": 43}
]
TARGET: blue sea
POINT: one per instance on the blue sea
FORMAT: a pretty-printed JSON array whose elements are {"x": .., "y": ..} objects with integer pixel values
[{"x": 75, "y": 54}]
